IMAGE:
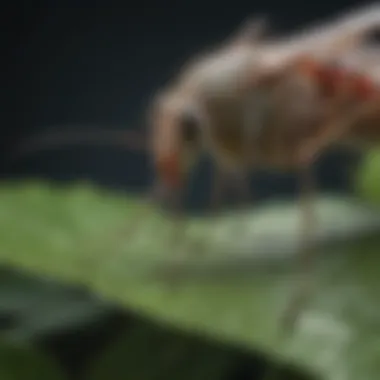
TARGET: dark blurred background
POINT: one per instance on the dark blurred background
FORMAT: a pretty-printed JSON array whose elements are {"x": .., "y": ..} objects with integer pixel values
[{"x": 96, "y": 65}]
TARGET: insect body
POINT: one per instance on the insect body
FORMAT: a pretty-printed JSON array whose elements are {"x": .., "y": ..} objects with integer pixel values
[
  {"x": 220, "y": 101},
  {"x": 254, "y": 102},
  {"x": 351, "y": 114}
]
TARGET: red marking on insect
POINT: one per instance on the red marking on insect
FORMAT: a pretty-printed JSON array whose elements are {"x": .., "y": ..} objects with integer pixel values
[
  {"x": 331, "y": 79},
  {"x": 328, "y": 77},
  {"x": 363, "y": 88},
  {"x": 169, "y": 170}
]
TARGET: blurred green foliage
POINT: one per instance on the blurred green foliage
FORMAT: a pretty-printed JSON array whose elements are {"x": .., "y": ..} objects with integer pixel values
[
  {"x": 368, "y": 177},
  {"x": 20, "y": 362},
  {"x": 154, "y": 353},
  {"x": 33, "y": 308}
]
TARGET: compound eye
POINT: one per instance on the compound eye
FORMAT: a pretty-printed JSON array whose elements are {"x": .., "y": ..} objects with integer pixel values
[{"x": 190, "y": 128}]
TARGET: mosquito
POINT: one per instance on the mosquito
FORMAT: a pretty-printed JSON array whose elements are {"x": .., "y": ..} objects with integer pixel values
[{"x": 266, "y": 102}]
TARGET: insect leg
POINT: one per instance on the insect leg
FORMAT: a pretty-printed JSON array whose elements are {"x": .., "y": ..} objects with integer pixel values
[
  {"x": 218, "y": 187},
  {"x": 254, "y": 117},
  {"x": 337, "y": 126},
  {"x": 238, "y": 181},
  {"x": 178, "y": 218},
  {"x": 307, "y": 253},
  {"x": 242, "y": 186},
  {"x": 332, "y": 131}
]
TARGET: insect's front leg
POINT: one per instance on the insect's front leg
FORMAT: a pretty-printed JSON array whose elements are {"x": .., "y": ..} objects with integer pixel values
[
  {"x": 178, "y": 218},
  {"x": 173, "y": 203}
]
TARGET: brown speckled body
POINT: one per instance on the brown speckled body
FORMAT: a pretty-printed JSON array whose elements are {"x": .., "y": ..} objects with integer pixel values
[
  {"x": 274, "y": 129},
  {"x": 297, "y": 112}
]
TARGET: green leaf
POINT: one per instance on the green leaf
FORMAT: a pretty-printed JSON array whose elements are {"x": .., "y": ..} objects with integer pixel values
[
  {"x": 21, "y": 362},
  {"x": 235, "y": 272},
  {"x": 368, "y": 177},
  {"x": 149, "y": 352},
  {"x": 39, "y": 307}
]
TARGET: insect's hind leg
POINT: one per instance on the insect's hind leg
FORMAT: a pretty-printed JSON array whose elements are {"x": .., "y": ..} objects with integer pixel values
[{"x": 307, "y": 252}]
